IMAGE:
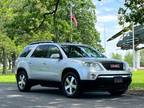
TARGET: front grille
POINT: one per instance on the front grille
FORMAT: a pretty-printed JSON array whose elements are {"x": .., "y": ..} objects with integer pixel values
[{"x": 109, "y": 65}]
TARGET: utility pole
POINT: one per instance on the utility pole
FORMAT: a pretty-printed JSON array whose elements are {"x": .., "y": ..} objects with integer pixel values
[
  {"x": 105, "y": 40},
  {"x": 133, "y": 34}
]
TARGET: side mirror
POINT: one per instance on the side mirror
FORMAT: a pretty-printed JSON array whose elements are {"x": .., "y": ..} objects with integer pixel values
[{"x": 56, "y": 56}]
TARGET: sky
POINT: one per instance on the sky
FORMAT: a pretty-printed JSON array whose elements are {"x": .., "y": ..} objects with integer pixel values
[{"x": 107, "y": 23}]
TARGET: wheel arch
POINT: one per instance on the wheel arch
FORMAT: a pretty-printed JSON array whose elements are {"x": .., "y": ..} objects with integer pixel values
[
  {"x": 21, "y": 69},
  {"x": 66, "y": 70}
]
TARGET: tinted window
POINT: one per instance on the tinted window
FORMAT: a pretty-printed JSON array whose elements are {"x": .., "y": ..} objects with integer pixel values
[
  {"x": 52, "y": 50},
  {"x": 66, "y": 49},
  {"x": 41, "y": 51},
  {"x": 26, "y": 51}
]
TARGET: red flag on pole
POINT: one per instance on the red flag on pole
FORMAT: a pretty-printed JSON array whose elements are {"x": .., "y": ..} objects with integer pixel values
[{"x": 73, "y": 18}]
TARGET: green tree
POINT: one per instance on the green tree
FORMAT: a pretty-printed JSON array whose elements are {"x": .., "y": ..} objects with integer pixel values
[
  {"x": 29, "y": 20},
  {"x": 7, "y": 47},
  {"x": 116, "y": 56},
  {"x": 133, "y": 10},
  {"x": 11, "y": 25},
  {"x": 128, "y": 58},
  {"x": 86, "y": 17}
]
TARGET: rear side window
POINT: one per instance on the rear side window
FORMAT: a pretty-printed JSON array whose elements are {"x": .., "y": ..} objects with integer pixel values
[
  {"x": 45, "y": 51},
  {"x": 40, "y": 51},
  {"x": 26, "y": 51}
]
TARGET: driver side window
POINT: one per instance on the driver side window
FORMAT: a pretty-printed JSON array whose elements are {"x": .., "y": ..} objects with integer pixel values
[{"x": 52, "y": 50}]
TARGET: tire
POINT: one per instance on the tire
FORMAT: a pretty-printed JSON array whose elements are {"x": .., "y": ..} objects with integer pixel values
[
  {"x": 117, "y": 93},
  {"x": 70, "y": 85},
  {"x": 23, "y": 83}
]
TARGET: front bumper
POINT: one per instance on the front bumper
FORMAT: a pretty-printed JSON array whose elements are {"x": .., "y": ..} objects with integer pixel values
[{"x": 106, "y": 83}]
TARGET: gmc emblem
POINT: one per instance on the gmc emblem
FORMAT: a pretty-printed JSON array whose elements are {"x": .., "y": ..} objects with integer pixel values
[{"x": 115, "y": 66}]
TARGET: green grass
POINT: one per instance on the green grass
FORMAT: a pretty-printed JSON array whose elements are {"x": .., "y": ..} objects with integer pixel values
[
  {"x": 137, "y": 79},
  {"x": 7, "y": 78}
]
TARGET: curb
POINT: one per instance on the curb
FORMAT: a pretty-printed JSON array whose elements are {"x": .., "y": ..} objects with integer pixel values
[{"x": 136, "y": 92}]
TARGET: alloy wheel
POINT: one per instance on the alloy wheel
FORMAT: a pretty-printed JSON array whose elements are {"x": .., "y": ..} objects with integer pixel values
[
  {"x": 70, "y": 85},
  {"x": 22, "y": 81}
]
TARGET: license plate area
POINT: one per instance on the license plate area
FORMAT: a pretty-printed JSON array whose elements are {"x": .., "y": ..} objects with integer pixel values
[{"x": 118, "y": 80}]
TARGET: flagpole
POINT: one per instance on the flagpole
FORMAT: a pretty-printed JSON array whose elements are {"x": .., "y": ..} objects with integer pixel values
[
  {"x": 105, "y": 40},
  {"x": 71, "y": 8}
]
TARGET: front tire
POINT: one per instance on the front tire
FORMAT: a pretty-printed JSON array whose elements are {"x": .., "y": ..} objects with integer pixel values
[
  {"x": 70, "y": 85},
  {"x": 23, "y": 82}
]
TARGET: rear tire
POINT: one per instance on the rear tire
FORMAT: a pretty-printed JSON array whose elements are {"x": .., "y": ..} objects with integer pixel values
[
  {"x": 70, "y": 85},
  {"x": 23, "y": 83}
]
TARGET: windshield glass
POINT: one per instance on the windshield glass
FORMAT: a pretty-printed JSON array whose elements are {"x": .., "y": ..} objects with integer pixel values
[{"x": 81, "y": 51}]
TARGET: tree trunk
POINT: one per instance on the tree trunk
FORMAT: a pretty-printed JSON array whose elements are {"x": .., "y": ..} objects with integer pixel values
[
  {"x": 4, "y": 61},
  {"x": 13, "y": 61},
  {"x": 10, "y": 64}
]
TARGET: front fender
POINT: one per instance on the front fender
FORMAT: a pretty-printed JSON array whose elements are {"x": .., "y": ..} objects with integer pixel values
[{"x": 79, "y": 67}]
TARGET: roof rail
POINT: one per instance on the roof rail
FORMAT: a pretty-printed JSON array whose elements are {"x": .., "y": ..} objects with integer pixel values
[{"x": 38, "y": 42}]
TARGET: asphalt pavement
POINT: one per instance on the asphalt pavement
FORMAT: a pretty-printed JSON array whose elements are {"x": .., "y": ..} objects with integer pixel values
[{"x": 42, "y": 97}]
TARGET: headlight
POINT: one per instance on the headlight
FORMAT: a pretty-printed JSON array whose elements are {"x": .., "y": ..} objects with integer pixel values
[
  {"x": 126, "y": 66},
  {"x": 93, "y": 68}
]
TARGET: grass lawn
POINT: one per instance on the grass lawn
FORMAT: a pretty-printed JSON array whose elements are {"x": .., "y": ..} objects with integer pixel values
[
  {"x": 7, "y": 78},
  {"x": 137, "y": 79}
]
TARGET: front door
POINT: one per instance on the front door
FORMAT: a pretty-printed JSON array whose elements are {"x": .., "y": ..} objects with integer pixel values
[{"x": 53, "y": 63}]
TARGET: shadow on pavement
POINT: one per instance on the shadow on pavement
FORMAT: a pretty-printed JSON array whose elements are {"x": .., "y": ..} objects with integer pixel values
[{"x": 85, "y": 95}]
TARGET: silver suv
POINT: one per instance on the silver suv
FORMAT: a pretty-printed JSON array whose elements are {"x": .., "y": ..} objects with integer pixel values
[{"x": 71, "y": 67}]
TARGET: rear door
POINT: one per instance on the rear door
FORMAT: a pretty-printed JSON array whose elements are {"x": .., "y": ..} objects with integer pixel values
[
  {"x": 43, "y": 65},
  {"x": 36, "y": 62}
]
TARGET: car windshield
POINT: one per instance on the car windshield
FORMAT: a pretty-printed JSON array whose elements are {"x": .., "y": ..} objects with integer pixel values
[{"x": 73, "y": 51}]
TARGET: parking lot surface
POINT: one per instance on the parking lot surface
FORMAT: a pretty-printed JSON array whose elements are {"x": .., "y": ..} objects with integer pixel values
[{"x": 41, "y": 97}]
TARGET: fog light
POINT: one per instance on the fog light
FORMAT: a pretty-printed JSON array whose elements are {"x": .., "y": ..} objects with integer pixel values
[{"x": 92, "y": 76}]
